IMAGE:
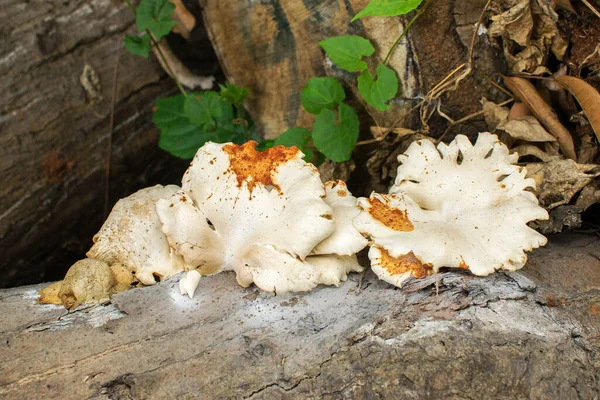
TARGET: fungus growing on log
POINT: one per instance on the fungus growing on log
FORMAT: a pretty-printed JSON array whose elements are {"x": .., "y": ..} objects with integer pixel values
[
  {"x": 261, "y": 214},
  {"x": 130, "y": 246},
  {"x": 458, "y": 205}
]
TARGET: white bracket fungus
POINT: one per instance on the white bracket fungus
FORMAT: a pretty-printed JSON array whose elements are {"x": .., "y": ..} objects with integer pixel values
[
  {"x": 458, "y": 205},
  {"x": 131, "y": 238},
  {"x": 189, "y": 282},
  {"x": 260, "y": 214}
]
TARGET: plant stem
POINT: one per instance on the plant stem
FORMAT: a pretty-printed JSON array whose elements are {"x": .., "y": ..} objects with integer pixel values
[
  {"x": 131, "y": 6},
  {"x": 160, "y": 53},
  {"x": 164, "y": 60},
  {"x": 418, "y": 13}
]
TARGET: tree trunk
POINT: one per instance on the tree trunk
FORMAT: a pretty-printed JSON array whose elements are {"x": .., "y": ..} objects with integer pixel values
[
  {"x": 54, "y": 130},
  {"x": 529, "y": 334},
  {"x": 272, "y": 48}
]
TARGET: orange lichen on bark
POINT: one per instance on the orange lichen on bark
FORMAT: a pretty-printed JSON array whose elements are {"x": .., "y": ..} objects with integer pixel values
[
  {"x": 391, "y": 217},
  {"x": 405, "y": 263},
  {"x": 255, "y": 167}
]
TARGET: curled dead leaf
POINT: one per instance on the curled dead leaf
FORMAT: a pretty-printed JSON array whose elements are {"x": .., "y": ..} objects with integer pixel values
[
  {"x": 493, "y": 114},
  {"x": 529, "y": 33},
  {"x": 526, "y": 92},
  {"x": 557, "y": 181},
  {"x": 589, "y": 196},
  {"x": 527, "y": 128},
  {"x": 587, "y": 96},
  {"x": 523, "y": 127}
]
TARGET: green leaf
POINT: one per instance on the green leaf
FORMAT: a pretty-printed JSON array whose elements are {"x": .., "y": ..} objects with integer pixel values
[
  {"x": 377, "y": 92},
  {"x": 207, "y": 109},
  {"x": 336, "y": 140},
  {"x": 321, "y": 93},
  {"x": 264, "y": 145},
  {"x": 140, "y": 46},
  {"x": 178, "y": 135},
  {"x": 309, "y": 155},
  {"x": 347, "y": 51},
  {"x": 234, "y": 94},
  {"x": 298, "y": 137},
  {"x": 155, "y": 15},
  {"x": 387, "y": 8}
]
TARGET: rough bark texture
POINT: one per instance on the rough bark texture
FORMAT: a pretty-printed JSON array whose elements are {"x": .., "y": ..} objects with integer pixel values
[
  {"x": 530, "y": 334},
  {"x": 54, "y": 132}
]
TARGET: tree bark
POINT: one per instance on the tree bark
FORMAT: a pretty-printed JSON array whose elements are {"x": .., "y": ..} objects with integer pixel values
[
  {"x": 529, "y": 334},
  {"x": 272, "y": 48},
  {"x": 54, "y": 130}
]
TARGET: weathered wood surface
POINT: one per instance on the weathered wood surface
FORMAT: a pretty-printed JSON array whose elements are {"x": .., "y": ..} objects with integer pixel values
[
  {"x": 54, "y": 133},
  {"x": 272, "y": 48},
  {"x": 530, "y": 334}
]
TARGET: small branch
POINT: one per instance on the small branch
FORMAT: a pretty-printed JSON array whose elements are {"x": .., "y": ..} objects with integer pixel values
[
  {"x": 418, "y": 13},
  {"x": 166, "y": 64},
  {"x": 591, "y": 7},
  {"x": 474, "y": 37},
  {"x": 468, "y": 117},
  {"x": 111, "y": 128}
]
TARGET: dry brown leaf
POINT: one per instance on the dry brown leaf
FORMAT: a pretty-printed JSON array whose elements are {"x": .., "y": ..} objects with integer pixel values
[
  {"x": 557, "y": 181},
  {"x": 526, "y": 61},
  {"x": 545, "y": 29},
  {"x": 529, "y": 32},
  {"x": 516, "y": 23},
  {"x": 493, "y": 114},
  {"x": 589, "y": 196},
  {"x": 526, "y": 92},
  {"x": 517, "y": 110},
  {"x": 587, "y": 149},
  {"x": 49, "y": 294},
  {"x": 531, "y": 150},
  {"x": 587, "y": 96},
  {"x": 527, "y": 128},
  {"x": 565, "y": 4}
]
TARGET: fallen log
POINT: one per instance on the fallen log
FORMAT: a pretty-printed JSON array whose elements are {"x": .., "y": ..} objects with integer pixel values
[{"x": 529, "y": 334}]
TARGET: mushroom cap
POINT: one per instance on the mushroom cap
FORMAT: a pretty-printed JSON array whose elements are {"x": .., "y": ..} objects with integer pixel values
[
  {"x": 131, "y": 237},
  {"x": 460, "y": 205},
  {"x": 345, "y": 239},
  {"x": 256, "y": 213},
  {"x": 333, "y": 269}
]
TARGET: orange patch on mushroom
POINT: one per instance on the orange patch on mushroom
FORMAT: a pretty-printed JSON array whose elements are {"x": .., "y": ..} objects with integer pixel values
[
  {"x": 253, "y": 167},
  {"x": 342, "y": 193},
  {"x": 403, "y": 264},
  {"x": 462, "y": 264},
  {"x": 391, "y": 217}
]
